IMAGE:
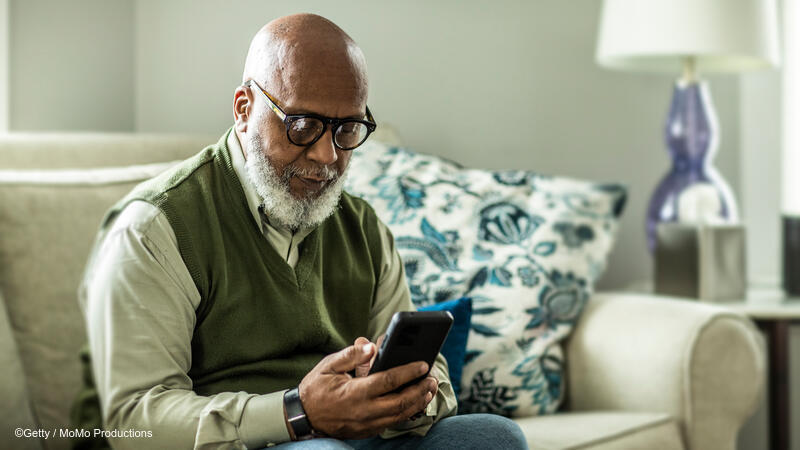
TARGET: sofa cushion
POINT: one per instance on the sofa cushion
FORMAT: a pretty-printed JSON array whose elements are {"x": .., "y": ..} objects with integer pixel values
[
  {"x": 525, "y": 247},
  {"x": 87, "y": 150},
  {"x": 15, "y": 407},
  {"x": 48, "y": 220},
  {"x": 601, "y": 431}
]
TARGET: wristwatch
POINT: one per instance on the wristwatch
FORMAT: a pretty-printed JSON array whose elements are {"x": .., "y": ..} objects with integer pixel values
[{"x": 296, "y": 415}]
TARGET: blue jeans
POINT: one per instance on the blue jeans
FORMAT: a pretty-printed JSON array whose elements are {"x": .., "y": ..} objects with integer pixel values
[{"x": 470, "y": 431}]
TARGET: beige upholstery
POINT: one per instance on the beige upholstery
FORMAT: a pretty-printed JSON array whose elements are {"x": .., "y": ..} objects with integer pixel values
[
  {"x": 700, "y": 363},
  {"x": 15, "y": 411},
  {"x": 596, "y": 430},
  {"x": 642, "y": 372},
  {"x": 47, "y": 225},
  {"x": 84, "y": 150},
  {"x": 42, "y": 261}
]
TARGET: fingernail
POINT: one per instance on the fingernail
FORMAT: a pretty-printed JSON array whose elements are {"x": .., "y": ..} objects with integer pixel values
[
  {"x": 433, "y": 384},
  {"x": 423, "y": 368},
  {"x": 428, "y": 397},
  {"x": 365, "y": 349}
]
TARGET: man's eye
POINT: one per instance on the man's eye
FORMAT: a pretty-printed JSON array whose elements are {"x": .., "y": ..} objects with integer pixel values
[{"x": 349, "y": 128}]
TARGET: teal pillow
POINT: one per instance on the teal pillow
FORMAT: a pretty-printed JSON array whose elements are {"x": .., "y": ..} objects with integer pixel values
[{"x": 454, "y": 349}]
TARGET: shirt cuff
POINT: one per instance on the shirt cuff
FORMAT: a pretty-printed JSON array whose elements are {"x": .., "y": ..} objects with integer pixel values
[{"x": 263, "y": 422}]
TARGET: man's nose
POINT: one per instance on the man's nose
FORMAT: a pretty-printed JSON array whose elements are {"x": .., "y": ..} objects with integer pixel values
[{"x": 323, "y": 152}]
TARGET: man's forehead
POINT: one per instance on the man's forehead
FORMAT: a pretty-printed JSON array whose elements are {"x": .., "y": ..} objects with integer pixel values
[
  {"x": 305, "y": 85},
  {"x": 312, "y": 63},
  {"x": 327, "y": 102}
]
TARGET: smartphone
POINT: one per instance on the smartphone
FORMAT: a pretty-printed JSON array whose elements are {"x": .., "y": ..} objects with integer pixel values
[{"x": 413, "y": 336}]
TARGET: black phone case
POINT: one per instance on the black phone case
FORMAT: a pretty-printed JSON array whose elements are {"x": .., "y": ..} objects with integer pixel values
[{"x": 413, "y": 336}]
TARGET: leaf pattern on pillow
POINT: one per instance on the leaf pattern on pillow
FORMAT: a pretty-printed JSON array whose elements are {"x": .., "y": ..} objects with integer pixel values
[{"x": 526, "y": 247}]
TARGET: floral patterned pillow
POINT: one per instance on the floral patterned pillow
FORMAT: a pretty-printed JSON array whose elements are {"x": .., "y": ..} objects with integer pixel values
[{"x": 526, "y": 247}]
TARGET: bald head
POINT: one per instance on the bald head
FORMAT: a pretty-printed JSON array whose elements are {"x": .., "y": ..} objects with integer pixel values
[
  {"x": 306, "y": 53},
  {"x": 309, "y": 66}
]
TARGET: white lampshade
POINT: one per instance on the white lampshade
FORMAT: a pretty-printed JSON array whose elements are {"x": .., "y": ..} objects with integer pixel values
[{"x": 657, "y": 35}]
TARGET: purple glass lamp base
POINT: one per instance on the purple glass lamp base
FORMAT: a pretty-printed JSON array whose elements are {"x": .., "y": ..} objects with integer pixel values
[{"x": 692, "y": 191}]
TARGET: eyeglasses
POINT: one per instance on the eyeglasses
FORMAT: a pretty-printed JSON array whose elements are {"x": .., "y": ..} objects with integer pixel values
[{"x": 306, "y": 129}]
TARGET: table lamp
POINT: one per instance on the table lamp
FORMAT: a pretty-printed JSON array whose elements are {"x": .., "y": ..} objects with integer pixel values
[{"x": 689, "y": 36}]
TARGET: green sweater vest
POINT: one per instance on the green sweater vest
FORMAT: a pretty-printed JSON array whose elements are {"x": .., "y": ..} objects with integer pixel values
[{"x": 261, "y": 325}]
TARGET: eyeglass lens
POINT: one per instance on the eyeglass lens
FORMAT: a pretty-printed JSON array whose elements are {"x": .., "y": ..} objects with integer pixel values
[{"x": 347, "y": 135}]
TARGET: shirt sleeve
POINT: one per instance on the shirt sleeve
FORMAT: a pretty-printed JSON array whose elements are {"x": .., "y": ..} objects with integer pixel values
[
  {"x": 392, "y": 295},
  {"x": 139, "y": 301}
]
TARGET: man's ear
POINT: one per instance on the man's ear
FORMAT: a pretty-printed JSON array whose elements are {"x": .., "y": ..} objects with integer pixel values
[{"x": 242, "y": 106}]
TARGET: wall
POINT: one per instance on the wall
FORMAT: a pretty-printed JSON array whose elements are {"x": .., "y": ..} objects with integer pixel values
[
  {"x": 4, "y": 22},
  {"x": 444, "y": 83},
  {"x": 760, "y": 171},
  {"x": 71, "y": 65}
]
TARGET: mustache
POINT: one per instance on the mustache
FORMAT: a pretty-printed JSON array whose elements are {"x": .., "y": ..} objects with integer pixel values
[{"x": 324, "y": 172}]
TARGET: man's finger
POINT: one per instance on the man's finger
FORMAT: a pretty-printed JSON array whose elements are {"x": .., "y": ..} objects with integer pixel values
[
  {"x": 434, "y": 383},
  {"x": 394, "y": 408},
  {"x": 378, "y": 344},
  {"x": 348, "y": 359},
  {"x": 363, "y": 369},
  {"x": 386, "y": 381}
]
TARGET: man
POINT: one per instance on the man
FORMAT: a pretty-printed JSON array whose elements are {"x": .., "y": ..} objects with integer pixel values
[{"x": 227, "y": 299}]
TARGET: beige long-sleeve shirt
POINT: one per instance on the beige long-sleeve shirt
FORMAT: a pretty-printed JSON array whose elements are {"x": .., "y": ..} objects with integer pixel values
[{"x": 139, "y": 301}]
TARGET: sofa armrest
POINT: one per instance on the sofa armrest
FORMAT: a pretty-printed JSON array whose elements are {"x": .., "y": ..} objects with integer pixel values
[{"x": 701, "y": 363}]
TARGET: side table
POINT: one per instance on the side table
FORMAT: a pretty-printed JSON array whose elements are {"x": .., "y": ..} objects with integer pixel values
[{"x": 773, "y": 312}]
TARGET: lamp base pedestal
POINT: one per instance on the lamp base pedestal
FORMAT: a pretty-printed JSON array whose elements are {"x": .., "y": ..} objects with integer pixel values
[{"x": 791, "y": 255}]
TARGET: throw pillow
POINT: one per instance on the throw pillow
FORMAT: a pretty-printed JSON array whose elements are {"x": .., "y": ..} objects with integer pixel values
[
  {"x": 454, "y": 348},
  {"x": 525, "y": 247}
]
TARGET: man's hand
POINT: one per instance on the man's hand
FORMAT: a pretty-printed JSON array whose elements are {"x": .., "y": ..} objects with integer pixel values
[
  {"x": 363, "y": 369},
  {"x": 345, "y": 407}
]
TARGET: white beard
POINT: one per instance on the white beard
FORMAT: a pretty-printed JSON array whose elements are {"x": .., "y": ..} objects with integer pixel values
[{"x": 279, "y": 204}]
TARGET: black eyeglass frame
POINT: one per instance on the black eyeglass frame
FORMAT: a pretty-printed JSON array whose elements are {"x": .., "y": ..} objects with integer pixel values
[{"x": 289, "y": 119}]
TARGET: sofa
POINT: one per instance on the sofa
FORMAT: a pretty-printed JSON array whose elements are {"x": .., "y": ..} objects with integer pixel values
[{"x": 642, "y": 372}]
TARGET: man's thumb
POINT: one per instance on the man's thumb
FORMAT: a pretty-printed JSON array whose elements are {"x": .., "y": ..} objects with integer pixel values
[{"x": 351, "y": 357}]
